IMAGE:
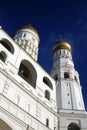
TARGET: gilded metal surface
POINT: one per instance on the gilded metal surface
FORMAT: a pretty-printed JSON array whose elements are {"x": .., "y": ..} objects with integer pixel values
[
  {"x": 61, "y": 45},
  {"x": 28, "y": 26}
]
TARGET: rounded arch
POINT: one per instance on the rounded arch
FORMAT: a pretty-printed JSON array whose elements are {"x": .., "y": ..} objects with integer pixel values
[
  {"x": 56, "y": 77},
  {"x": 47, "y": 94},
  {"x": 4, "y": 125},
  {"x": 28, "y": 72},
  {"x": 7, "y": 44},
  {"x": 47, "y": 82},
  {"x": 73, "y": 126},
  {"x": 3, "y": 56}
]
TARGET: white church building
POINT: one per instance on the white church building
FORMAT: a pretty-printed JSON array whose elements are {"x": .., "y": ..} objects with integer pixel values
[{"x": 32, "y": 99}]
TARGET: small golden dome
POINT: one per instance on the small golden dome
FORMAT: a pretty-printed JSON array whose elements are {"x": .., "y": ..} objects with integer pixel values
[
  {"x": 61, "y": 44},
  {"x": 28, "y": 26}
]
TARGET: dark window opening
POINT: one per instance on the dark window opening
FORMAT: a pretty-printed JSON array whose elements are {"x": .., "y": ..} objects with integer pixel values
[
  {"x": 67, "y": 94},
  {"x": 23, "y": 71},
  {"x": 66, "y": 75},
  {"x": 68, "y": 102},
  {"x": 56, "y": 77},
  {"x": 28, "y": 73},
  {"x": 7, "y": 45},
  {"x": 3, "y": 56},
  {"x": 75, "y": 78},
  {"x": 47, "y": 82},
  {"x": 4, "y": 125},
  {"x": 47, "y": 95},
  {"x": 47, "y": 122},
  {"x": 73, "y": 126}
]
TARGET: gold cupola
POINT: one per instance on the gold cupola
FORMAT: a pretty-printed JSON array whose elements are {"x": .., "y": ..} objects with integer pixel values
[
  {"x": 61, "y": 44},
  {"x": 26, "y": 28}
]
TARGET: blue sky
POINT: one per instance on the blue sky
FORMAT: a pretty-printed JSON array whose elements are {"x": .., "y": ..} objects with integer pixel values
[{"x": 52, "y": 18}]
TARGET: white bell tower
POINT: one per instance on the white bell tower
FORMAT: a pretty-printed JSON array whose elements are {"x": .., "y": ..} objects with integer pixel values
[
  {"x": 69, "y": 94},
  {"x": 28, "y": 38}
]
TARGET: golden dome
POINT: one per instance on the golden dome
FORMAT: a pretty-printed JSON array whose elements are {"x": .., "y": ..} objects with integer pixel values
[
  {"x": 28, "y": 26},
  {"x": 61, "y": 44}
]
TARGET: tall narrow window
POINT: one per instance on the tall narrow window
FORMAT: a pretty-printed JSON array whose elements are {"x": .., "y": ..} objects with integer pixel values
[
  {"x": 47, "y": 94},
  {"x": 3, "y": 56},
  {"x": 56, "y": 77},
  {"x": 75, "y": 78},
  {"x": 47, "y": 122}
]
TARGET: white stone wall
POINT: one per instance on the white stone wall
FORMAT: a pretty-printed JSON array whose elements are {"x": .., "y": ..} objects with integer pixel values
[
  {"x": 17, "y": 118},
  {"x": 68, "y": 117},
  {"x": 20, "y": 98},
  {"x": 24, "y": 107}
]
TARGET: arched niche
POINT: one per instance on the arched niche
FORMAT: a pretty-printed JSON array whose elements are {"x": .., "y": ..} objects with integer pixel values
[
  {"x": 56, "y": 77},
  {"x": 3, "y": 56},
  {"x": 47, "y": 82},
  {"x": 47, "y": 94},
  {"x": 7, "y": 44},
  {"x": 4, "y": 125},
  {"x": 73, "y": 126},
  {"x": 28, "y": 72}
]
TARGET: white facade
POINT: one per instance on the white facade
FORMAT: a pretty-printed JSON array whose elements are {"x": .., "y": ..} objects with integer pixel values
[
  {"x": 29, "y": 97},
  {"x": 69, "y": 87}
]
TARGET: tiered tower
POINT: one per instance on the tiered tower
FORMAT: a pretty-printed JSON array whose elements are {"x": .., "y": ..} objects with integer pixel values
[
  {"x": 70, "y": 105},
  {"x": 69, "y": 95}
]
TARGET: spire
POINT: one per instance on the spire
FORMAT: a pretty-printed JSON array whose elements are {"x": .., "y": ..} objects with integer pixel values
[{"x": 60, "y": 37}]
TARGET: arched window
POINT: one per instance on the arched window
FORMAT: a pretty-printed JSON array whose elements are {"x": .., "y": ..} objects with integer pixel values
[
  {"x": 3, "y": 56},
  {"x": 28, "y": 72},
  {"x": 4, "y": 126},
  {"x": 7, "y": 44},
  {"x": 47, "y": 82},
  {"x": 73, "y": 126},
  {"x": 66, "y": 75},
  {"x": 56, "y": 77},
  {"x": 75, "y": 78},
  {"x": 47, "y": 94},
  {"x": 47, "y": 122}
]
